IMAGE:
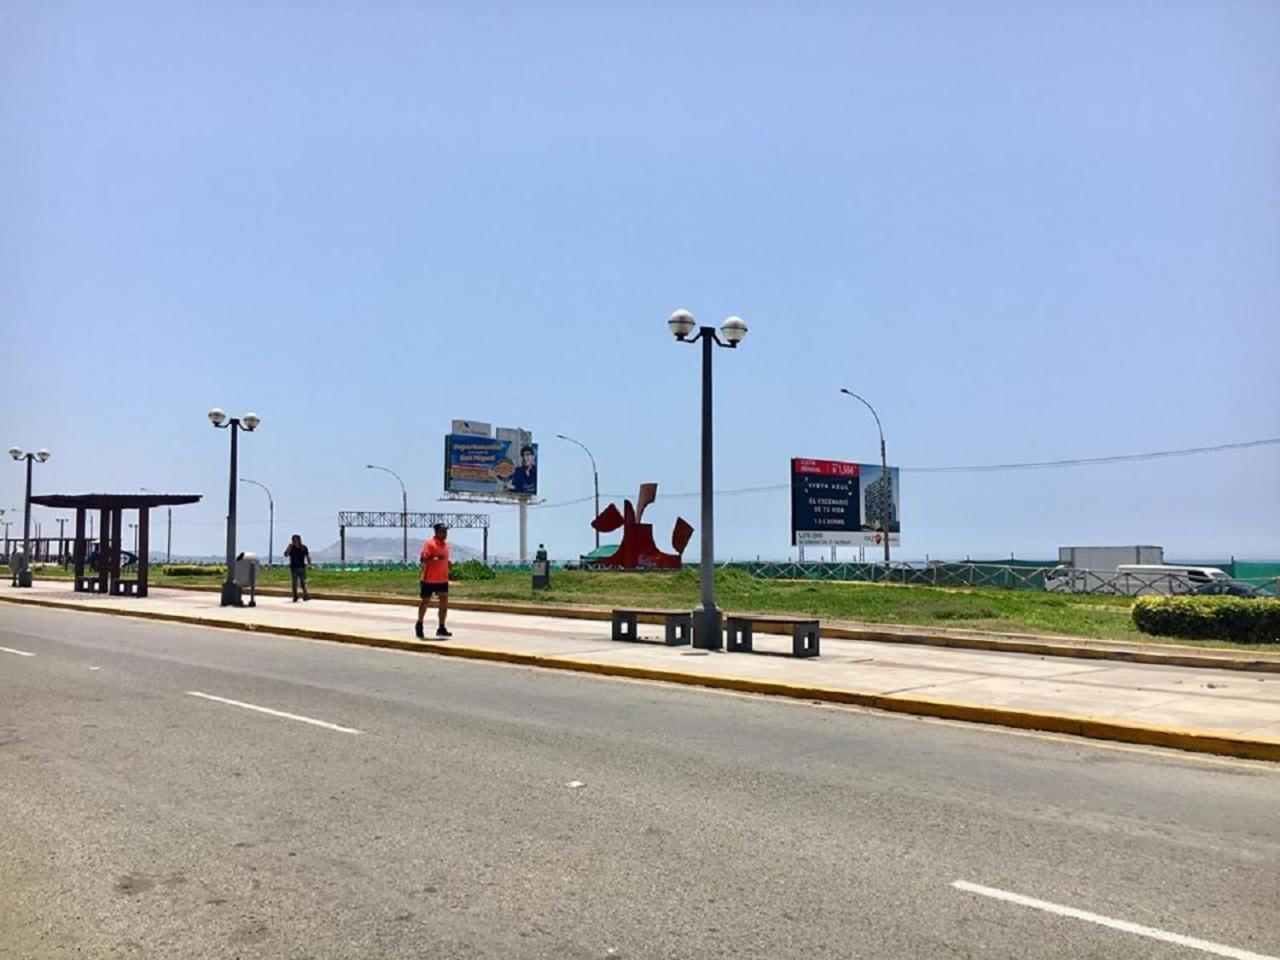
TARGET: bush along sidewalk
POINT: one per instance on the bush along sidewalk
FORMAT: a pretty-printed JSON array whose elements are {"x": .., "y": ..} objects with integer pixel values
[{"x": 1209, "y": 618}]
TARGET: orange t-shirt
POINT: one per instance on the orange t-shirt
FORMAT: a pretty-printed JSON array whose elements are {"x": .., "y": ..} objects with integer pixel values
[{"x": 435, "y": 561}]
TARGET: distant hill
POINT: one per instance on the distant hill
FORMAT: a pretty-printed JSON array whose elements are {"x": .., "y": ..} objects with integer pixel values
[{"x": 382, "y": 549}]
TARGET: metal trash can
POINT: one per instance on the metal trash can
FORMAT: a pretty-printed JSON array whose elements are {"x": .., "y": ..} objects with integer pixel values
[
  {"x": 541, "y": 575},
  {"x": 247, "y": 571},
  {"x": 247, "y": 567}
]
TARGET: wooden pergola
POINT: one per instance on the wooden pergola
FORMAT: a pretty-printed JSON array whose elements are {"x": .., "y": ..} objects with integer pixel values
[{"x": 107, "y": 578}]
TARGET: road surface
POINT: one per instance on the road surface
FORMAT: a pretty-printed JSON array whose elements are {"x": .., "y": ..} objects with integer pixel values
[{"x": 180, "y": 792}]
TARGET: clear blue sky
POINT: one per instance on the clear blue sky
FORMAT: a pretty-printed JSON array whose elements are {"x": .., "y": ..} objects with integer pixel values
[{"x": 1024, "y": 230}]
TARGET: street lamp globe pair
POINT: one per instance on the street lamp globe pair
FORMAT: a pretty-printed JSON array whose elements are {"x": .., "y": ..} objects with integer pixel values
[
  {"x": 24, "y": 570},
  {"x": 707, "y": 619},
  {"x": 249, "y": 422}
]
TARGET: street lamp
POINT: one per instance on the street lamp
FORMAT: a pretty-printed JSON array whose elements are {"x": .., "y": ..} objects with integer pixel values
[
  {"x": 886, "y": 500},
  {"x": 249, "y": 422},
  {"x": 24, "y": 572},
  {"x": 168, "y": 544},
  {"x": 404, "y": 504},
  {"x": 595, "y": 476},
  {"x": 271, "y": 515},
  {"x": 706, "y": 618}
]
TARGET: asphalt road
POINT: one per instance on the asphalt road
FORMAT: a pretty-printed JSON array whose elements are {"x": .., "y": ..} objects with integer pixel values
[{"x": 460, "y": 809}]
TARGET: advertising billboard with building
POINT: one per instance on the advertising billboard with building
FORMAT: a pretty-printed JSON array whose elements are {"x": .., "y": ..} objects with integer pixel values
[
  {"x": 842, "y": 504},
  {"x": 504, "y": 465}
]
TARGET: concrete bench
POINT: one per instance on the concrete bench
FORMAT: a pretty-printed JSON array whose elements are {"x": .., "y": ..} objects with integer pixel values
[
  {"x": 678, "y": 625},
  {"x": 805, "y": 633}
]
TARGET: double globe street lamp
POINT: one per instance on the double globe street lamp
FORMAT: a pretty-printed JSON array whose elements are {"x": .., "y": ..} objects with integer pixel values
[
  {"x": 707, "y": 632},
  {"x": 249, "y": 422},
  {"x": 24, "y": 571}
]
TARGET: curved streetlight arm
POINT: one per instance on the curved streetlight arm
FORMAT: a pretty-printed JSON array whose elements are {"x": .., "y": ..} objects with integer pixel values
[
  {"x": 847, "y": 391},
  {"x": 561, "y": 436},
  {"x": 595, "y": 476},
  {"x": 270, "y": 501},
  {"x": 404, "y": 504}
]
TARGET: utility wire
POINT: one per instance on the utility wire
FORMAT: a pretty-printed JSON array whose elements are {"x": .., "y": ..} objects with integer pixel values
[{"x": 976, "y": 468}]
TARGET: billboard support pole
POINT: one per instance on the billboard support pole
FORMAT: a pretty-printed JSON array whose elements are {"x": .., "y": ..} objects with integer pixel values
[{"x": 524, "y": 530}]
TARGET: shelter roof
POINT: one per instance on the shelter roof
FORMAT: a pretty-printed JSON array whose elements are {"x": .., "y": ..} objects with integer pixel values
[{"x": 114, "y": 501}]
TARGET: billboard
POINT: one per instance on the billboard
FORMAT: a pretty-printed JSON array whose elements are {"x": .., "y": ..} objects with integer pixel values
[
  {"x": 842, "y": 504},
  {"x": 504, "y": 465}
]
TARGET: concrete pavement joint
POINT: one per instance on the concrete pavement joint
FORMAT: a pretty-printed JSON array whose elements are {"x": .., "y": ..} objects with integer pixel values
[{"x": 1197, "y": 741}]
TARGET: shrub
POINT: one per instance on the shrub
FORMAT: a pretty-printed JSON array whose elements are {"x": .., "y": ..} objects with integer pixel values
[
  {"x": 471, "y": 570},
  {"x": 1209, "y": 618},
  {"x": 194, "y": 570}
]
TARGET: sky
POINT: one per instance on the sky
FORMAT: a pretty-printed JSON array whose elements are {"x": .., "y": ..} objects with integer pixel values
[{"x": 1023, "y": 230}]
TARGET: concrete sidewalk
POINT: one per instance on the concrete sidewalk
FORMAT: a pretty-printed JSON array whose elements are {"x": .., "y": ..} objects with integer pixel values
[{"x": 1217, "y": 711}]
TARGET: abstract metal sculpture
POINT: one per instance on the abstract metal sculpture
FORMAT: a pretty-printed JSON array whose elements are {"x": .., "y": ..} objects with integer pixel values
[{"x": 637, "y": 550}]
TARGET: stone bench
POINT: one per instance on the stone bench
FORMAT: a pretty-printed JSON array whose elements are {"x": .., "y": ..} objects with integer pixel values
[
  {"x": 805, "y": 633},
  {"x": 678, "y": 625}
]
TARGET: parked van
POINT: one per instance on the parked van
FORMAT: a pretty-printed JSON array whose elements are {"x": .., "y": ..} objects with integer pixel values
[
  {"x": 1165, "y": 578},
  {"x": 1136, "y": 579}
]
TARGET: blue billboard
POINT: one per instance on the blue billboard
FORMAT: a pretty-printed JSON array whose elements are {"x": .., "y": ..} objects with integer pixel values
[{"x": 498, "y": 467}]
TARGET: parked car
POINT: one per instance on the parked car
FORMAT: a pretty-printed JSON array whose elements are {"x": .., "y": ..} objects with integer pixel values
[{"x": 1231, "y": 588}]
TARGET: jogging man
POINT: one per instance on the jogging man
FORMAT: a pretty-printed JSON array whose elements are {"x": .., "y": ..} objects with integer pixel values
[
  {"x": 299, "y": 559},
  {"x": 435, "y": 579}
]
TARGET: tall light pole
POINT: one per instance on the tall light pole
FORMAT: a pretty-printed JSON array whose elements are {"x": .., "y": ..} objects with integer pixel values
[
  {"x": 24, "y": 573},
  {"x": 249, "y": 422},
  {"x": 886, "y": 500},
  {"x": 271, "y": 521},
  {"x": 706, "y": 618},
  {"x": 595, "y": 477},
  {"x": 404, "y": 504},
  {"x": 168, "y": 543}
]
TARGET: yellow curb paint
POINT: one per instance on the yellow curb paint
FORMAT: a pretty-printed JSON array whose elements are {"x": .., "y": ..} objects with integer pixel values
[
  {"x": 1194, "y": 741},
  {"x": 1179, "y": 656}
]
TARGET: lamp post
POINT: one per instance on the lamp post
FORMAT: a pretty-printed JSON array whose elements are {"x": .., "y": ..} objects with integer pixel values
[
  {"x": 168, "y": 543},
  {"x": 271, "y": 521},
  {"x": 24, "y": 572},
  {"x": 595, "y": 477},
  {"x": 404, "y": 504},
  {"x": 249, "y": 422},
  {"x": 706, "y": 618},
  {"x": 886, "y": 501}
]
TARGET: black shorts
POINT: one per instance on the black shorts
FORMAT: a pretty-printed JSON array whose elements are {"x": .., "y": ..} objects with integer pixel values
[{"x": 425, "y": 590}]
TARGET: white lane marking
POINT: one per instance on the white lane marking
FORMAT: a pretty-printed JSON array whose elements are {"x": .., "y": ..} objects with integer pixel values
[
  {"x": 20, "y": 653},
  {"x": 1124, "y": 925},
  {"x": 274, "y": 713}
]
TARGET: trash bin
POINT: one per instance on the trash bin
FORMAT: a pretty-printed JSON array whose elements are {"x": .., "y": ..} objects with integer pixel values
[
  {"x": 541, "y": 575},
  {"x": 247, "y": 567},
  {"x": 246, "y": 575}
]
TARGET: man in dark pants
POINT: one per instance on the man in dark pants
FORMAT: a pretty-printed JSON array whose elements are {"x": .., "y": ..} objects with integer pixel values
[
  {"x": 299, "y": 559},
  {"x": 435, "y": 579}
]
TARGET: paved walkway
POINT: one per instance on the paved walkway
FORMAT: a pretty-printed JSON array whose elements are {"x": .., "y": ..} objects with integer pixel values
[{"x": 1239, "y": 706}]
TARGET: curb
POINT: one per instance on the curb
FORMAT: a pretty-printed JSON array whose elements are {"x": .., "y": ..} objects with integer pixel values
[
  {"x": 1194, "y": 741},
  {"x": 1177, "y": 656}
]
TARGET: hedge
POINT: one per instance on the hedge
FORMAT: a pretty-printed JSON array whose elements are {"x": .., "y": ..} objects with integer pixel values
[
  {"x": 1209, "y": 618},
  {"x": 471, "y": 570},
  {"x": 195, "y": 570}
]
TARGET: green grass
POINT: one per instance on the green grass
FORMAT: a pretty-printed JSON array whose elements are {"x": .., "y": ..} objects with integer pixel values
[{"x": 1007, "y": 611}]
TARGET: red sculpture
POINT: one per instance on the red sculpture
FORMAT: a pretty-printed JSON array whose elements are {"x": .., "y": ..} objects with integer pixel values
[{"x": 637, "y": 550}]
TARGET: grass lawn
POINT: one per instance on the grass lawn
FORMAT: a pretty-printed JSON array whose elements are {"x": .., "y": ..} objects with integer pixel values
[{"x": 1009, "y": 611}]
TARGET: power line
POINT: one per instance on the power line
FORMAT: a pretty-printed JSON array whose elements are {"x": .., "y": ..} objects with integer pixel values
[{"x": 976, "y": 468}]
